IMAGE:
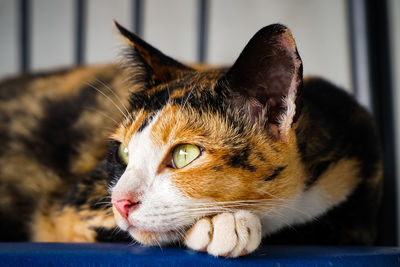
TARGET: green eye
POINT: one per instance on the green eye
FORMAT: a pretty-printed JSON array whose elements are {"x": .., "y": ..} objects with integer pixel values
[
  {"x": 184, "y": 154},
  {"x": 123, "y": 154}
]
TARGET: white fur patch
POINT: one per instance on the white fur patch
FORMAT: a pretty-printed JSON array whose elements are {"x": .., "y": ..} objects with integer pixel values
[
  {"x": 233, "y": 234},
  {"x": 286, "y": 119},
  {"x": 162, "y": 203},
  {"x": 248, "y": 229},
  {"x": 199, "y": 236},
  {"x": 224, "y": 237},
  {"x": 305, "y": 207}
]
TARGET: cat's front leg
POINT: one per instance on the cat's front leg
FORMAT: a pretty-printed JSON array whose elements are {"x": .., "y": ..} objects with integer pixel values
[{"x": 226, "y": 234}]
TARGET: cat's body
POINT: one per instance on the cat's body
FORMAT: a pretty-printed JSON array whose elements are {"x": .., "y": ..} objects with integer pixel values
[
  {"x": 55, "y": 130},
  {"x": 305, "y": 170}
]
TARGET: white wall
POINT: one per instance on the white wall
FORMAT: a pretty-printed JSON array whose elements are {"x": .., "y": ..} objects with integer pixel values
[
  {"x": 319, "y": 26},
  {"x": 51, "y": 34},
  {"x": 171, "y": 26},
  {"x": 9, "y": 38},
  {"x": 103, "y": 42}
]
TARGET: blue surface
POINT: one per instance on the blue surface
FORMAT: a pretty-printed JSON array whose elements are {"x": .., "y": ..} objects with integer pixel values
[{"x": 105, "y": 254}]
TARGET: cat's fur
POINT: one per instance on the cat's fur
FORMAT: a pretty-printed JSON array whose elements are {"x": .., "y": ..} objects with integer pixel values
[{"x": 294, "y": 161}]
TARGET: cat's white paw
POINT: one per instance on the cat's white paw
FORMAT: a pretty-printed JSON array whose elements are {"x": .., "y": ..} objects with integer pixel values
[{"x": 226, "y": 234}]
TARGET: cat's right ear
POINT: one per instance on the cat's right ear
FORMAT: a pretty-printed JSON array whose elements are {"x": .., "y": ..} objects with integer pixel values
[
  {"x": 149, "y": 65},
  {"x": 266, "y": 79}
]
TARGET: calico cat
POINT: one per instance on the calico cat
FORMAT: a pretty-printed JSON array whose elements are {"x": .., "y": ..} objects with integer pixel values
[{"x": 162, "y": 152}]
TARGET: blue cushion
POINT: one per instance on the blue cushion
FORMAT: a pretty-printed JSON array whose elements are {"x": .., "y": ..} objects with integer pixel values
[{"x": 107, "y": 254}]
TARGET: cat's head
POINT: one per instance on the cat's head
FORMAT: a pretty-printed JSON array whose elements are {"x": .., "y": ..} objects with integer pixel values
[{"x": 201, "y": 142}]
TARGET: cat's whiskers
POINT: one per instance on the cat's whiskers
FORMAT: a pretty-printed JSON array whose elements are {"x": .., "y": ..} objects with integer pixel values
[
  {"x": 169, "y": 94},
  {"x": 180, "y": 231},
  {"x": 206, "y": 209},
  {"x": 257, "y": 203},
  {"x": 283, "y": 219},
  {"x": 158, "y": 243},
  {"x": 187, "y": 98},
  {"x": 274, "y": 197},
  {"x": 117, "y": 97},
  {"x": 135, "y": 243},
  {"x": 109, "y": 213},
  {"x": 103, "y": 114},
  {"x": 116, "y": 230},
  {"x": 103, "y": 203},
  {"x": 109, "y": 98},
  {"x": 239, "y": 201}
]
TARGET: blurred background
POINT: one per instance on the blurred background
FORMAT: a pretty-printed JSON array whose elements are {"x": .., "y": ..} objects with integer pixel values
[{"x": 351, "y": 43}]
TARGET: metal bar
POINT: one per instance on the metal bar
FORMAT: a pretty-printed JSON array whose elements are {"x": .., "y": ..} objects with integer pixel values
[
  {"x": 202, "y": 30},
  {"x": 138, "y": 8},
  {"x": 24, "y": 35},
  {"x": 80, "y": 31},
  {"x": 359, "y": 52},
  {"x": 382, "y": 97}
]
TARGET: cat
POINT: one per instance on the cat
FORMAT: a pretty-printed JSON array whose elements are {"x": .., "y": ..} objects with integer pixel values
[{"x": 162, "y": 152}]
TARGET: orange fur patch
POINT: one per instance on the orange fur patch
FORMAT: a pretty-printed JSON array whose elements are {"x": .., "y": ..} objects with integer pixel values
[
  {"x": 210, "y": 177},
  {"x": 70, "y": 225},
  {"x": 339, "y": 180},
  {"x": 124, "y": 133}
]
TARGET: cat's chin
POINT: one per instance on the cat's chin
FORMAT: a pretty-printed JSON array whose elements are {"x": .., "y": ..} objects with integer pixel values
[
  {"x": 146, "y": 237},
  {"x": 151, "y": 238}
]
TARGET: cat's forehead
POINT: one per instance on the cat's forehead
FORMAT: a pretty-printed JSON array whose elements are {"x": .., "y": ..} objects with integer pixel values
[
  {"x": 188, "y": 87},
  {"x": 186, "y": 98}
]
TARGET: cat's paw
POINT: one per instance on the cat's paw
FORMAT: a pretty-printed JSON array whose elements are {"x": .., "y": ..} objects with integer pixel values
[{"x": 226, "y": 234}]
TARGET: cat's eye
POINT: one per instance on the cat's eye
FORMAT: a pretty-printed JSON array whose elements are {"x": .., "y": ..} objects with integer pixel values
[
  {"x": 123, "y": 154},
  {"x": 184, "y": 154}
]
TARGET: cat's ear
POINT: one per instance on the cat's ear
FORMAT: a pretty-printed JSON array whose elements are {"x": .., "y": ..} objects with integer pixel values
[
  {"x": 147, "y": 62},
  {"x": 267, "y": 78}
]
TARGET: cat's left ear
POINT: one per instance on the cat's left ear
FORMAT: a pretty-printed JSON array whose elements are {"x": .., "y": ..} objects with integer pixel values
[
  {"x": 266, "y": 79},
  {"x": 150, "y": 65}
]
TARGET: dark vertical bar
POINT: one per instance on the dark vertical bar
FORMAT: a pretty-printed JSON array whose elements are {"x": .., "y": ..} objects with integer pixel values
[
  {"x": 382, "y": 96},
  {"x": 138, "y": 7},
  {"x": 80, "y": 31},
  {"x": 202, "y": 30},
  {"x": 359, "y": 52},
  {"x": 24, "y": 35}
]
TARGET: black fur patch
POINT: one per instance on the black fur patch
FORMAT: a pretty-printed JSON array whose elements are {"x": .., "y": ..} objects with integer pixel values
[
  {"x": 115, "y": 168},
  {"x": 146, "y": 122},
  {"x": 150, "y": 103},
  {"x": 13, "y": 225},
  {"x": 4, "y": 132},
  {"x": 100, "y": 204},
  {"x": 55, "y": 141},
  {"x": 260, "y": 156},
  {"x": 205, "y": 101},
  {"x": 80, "y": 193},
  {"x": 275, "y": 174},
  {"x": 334, "y": 127},
  {"x": 316, "y": 172},
  {"x": 240, "y": 159},
  {"x": 77, "y": 196},
  {"x": 111, "y": 235}
]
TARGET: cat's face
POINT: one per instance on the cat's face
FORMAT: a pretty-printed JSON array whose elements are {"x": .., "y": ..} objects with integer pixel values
[{"x": 198, "y": 143}]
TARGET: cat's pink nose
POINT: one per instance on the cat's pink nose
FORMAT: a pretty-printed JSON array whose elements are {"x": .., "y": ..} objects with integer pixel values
[{"x": 125, "y": 206}]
